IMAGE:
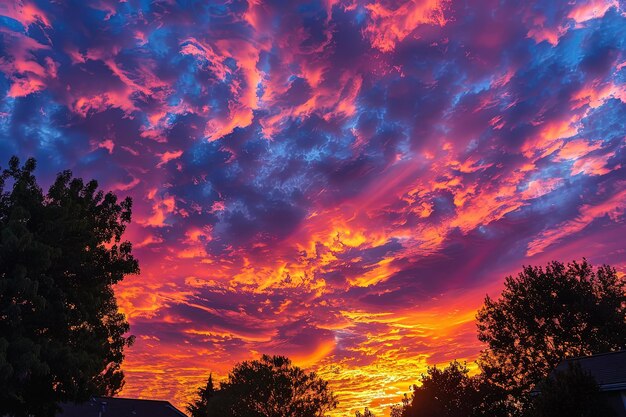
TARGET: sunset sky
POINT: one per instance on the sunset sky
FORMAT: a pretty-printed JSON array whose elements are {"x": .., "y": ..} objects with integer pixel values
[{"x": 341, "y": 182}]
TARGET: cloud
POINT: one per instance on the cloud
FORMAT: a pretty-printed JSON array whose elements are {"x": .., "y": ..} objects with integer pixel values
[
  {"x": 613, "y": 208},
  {"x": 340, "y": 181}
]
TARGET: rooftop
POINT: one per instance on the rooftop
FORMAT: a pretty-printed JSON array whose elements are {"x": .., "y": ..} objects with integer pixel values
[
  {"x": 120, "y": 407},
  {"x": 608, "y": 369}
]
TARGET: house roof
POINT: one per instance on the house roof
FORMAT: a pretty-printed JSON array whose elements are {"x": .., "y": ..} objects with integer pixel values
[
  {"x": 608, "y": 369},
  {"x": 120, "y": 407}
]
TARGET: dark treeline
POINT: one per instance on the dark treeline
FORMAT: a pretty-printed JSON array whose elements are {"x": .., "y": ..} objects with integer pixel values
[{"x": 62, "y": 338}]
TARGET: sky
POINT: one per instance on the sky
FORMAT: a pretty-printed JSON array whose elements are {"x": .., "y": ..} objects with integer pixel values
[{"x": 338, "y": 181}]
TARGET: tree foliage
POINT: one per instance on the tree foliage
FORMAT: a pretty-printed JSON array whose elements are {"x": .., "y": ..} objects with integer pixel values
[
  {"x": 62, "y": 337},
  {"x": 366, "y": 413},
  {"x": 200, "y": 407},
  {"x": 447, "y": 392},
  {"x": 396, "y": 410},
  {"x": 543, "y": 316},
  {"x": 569, "y": 393},
  {"x": 269, "y": 387},
  {"x": 546, "y": 315}
]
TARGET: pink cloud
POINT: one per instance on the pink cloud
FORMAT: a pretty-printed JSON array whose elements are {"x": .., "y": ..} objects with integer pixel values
[
  {"x": 162, "y": 207},
  {"x": 591, "y": 9},
  {"x": 24, "y": 12},
  {"x": 613, "y": 207},
  {"x": 167, "y": 156},
  {"x": 388, "y": 26}
]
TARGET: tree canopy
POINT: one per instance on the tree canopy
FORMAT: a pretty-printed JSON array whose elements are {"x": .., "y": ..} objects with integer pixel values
[
  {"x": 200, "y": 407},
  {"x": 269, "y": 387},
  {"x": 445, "y": 392},
  {"x": 366, "y": 413},
  {"x": 546, "y": 315},
  {"x": 543, "y": 316},
  {"x": 62, "y": 337}
]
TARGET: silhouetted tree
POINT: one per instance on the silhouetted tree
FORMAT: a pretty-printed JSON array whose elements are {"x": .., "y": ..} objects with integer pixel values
[
  {"x": 365, "y": 413},
  {"x": 447, "y": 392},
  {"x": 200, "y": 407},
  {"x": 493, "y": 401},
  {"x": 269, "y": 387},
  {"x": 544, "y": 316},
  {"x": 569, "y": 393},
  {"x": 397, "y": 410},
  {"x": 62, "y": 337}
]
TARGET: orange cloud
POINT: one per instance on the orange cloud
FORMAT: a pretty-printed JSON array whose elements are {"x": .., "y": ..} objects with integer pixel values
[{"x": 161, "y": 208}]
